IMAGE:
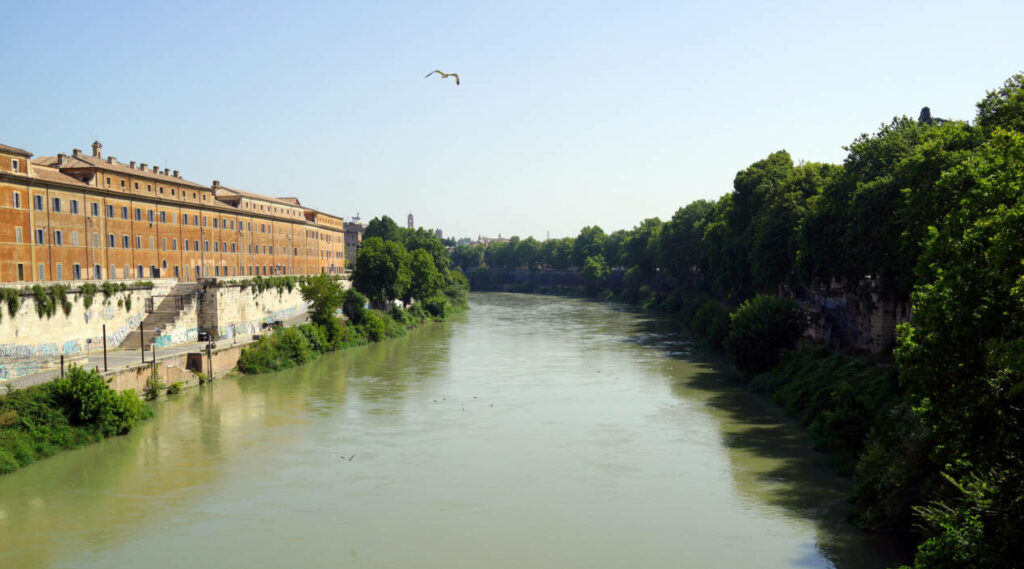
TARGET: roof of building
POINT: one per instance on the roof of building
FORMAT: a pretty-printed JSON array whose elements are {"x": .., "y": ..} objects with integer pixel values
[
  {"x": 54, "y": 175},
  {"x": 84, "y": 161},
  {"x": 293, "y": 201},
  {"x": 250, "y": 195},
  {"x": 12, "y": 150}
]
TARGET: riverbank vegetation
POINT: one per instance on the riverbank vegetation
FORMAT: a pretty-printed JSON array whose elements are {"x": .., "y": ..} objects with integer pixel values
[
  {"x": 400, "y": 281},
  {"x": 67, "y": 413},
  {"x": 926, "y": 212}
]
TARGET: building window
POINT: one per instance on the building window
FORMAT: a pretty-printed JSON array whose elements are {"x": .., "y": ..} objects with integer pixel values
[
  {"x": 97, "y": 272},
  {"x": 96, "y": 240},
  {"x": 140, "y": 273},
  {"x": 74, "y": 206},
  {"x": 74, "y": 238},
  {"x": 122, "y": 184},
  {"x": 152, "y": 245},
  {"x": 205, "y": 219},
  {"x": 125, "y": 244},
  {"x": 38, "y": 202},
  {"x": 42, "y": 272},
  {"x": 163, "y": 217},
  {"x": 21, "y": 271},
  {"x": 216, "y": 271},
  {"x": 206, "y": 245},
  {"x": 224, "y": 246},
  {"x": 17, "y": 234},
  {"x": 172, "y": 193},
  {"x": 137, "y": 186},
  {"x": 15, "y": 166},
  {"x": 124, "y": 213},
  {"x": 95, "y": 209},
  {"x": 127, "y": 272},
  {"x": 163, "y": 243},
  {"x": 17, "y": 200},
  {"x": 56, "y": 205},
  {"x": 149, "y": 215},
  {"x": 232, "y": 247},
  {"x": 184, "y": 219},
  {"x": 186, "y": 244},
  {"x": 216, "y": 247},
  {"x": 215, "y": 222},
  {"x": 76, "y": 272},
  {"x": 108, "y": 181},
  {"x": 174, "y": 244},
  {"x": 113, "y": 272},
  {"x": 60, "y": 272},
  {"x": 40, "y": 237},
  {"x": 138, "y": 214},
  {"x": 195, "y": 243},
  {"x": 110, "y": 211},
  {"x": 111, "y": 241},
  {"x": 195, "y": 219},
  {"x": 138, "y": 242},
  {"x": 177, "y": 273}
]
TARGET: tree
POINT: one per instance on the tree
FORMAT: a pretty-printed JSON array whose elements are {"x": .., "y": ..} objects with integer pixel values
[
  {"x": 426, "y": 280},
  {"x": 963, "y": 358},
  {"x": 383, "y": 227},
  {"x": 382, "y": 271},
  {"x": 594, "y": 271},
  {"x": 589, "y": 243},
  {"x": 1004, "y": 107},
  {"x": 325, "y": 296},
  {"x": 760, "y": 329}
]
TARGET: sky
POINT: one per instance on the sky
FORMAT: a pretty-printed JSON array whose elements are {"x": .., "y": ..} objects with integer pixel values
[{"x": 568, "y": 114}]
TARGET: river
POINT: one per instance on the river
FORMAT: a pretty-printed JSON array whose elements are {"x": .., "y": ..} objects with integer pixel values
[{"x": 529, "y": 432}]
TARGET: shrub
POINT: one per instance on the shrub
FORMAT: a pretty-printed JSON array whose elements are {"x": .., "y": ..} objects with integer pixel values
[
  {"x": 293, "y": 345},
  {"x": 88, "y": 291},
  {"x": 760, "y": 329},
  {"x": 436, "y": 306},
  {"x": 711, "y": 323},
  {"x": 175, "y": 388},
  {"x": 354, "y": 305},
  {"x": 153, "y": 388},
  {"x": 316, "y": 335},
  {"x": 86, "y": 399},
  {"x": 373, "y": 326}
]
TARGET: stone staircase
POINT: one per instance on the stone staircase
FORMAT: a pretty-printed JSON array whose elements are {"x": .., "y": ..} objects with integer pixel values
[{"x": 165, "y": 314}]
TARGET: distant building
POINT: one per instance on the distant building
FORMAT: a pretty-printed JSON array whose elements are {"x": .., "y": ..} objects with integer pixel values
[
  {"x": 410, "y": 223},
  {"x": 353, "y": 237},
  {"x": 439, "y": 234}
]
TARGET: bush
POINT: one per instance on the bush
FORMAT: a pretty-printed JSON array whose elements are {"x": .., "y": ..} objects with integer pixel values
[
  {"x": 436, "y": 306},
  {"x": 316, "y": 335},
  {"x": 153, "y": 388},
  {"x": 760, "y": 329},
  {"x": 293, "y": 345},
  {"x": 373, "y": 326},
  {"x": 354, "y": 305},
  {"x": 175, "y": 388},
  {"x": 710, "y": 322},
  {"x": 87, "y": 400}
]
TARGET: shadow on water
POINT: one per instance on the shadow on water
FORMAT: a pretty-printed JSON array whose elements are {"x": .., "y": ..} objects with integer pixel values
[{"x": 788, "y": 472}]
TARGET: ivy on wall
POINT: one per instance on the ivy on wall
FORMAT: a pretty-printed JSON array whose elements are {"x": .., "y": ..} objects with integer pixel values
[{"x": 47, "y": 299}]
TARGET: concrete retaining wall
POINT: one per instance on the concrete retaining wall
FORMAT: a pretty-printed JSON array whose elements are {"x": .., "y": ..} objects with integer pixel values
[{"x": 30, "y": 343}]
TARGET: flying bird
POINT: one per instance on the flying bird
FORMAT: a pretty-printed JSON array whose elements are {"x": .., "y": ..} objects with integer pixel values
[{"x": 443, "y": 75}]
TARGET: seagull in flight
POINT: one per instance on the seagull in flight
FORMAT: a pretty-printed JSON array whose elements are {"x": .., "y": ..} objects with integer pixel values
[{"x": 443, "y": 75}]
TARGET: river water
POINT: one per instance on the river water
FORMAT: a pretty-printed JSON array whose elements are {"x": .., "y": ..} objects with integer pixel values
[{"x": 529, "y": 432}]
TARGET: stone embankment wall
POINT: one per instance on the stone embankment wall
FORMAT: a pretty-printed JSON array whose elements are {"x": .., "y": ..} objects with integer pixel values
[
  {"x": 30, "y": 343},
  {"x": 228, "y": 310},
  {"x": 844, "y": 320},
  {"x": 178, "y": 367}
]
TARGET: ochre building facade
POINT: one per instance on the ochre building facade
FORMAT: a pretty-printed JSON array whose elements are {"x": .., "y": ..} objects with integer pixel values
[{"x": 85, "y": 217}]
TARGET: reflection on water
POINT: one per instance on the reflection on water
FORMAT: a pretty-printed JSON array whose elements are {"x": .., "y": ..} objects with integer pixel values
[{"x": 530, "y": 432}]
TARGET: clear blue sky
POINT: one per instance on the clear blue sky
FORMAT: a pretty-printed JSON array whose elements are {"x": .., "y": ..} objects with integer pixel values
[{"x": 569, "y": 114}]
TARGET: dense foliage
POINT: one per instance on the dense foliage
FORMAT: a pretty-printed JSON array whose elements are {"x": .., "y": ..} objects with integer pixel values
[{"x": 67, "y": 413}]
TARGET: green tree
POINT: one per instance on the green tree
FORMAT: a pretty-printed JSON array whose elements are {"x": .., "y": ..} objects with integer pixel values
[
  {"x": 589, "y": 243},
  {"x": 594, "y": 271},
  {"x": 426, "y": 280},
  {"x": 963, "y": 357},
  {"x": 324, "y": 295},
  {"x": 382, "y": 271},
  {"x": 1004, "y": 107},
  {"x": 760, "y": 329},
  {"x": 385, "y": 228}
]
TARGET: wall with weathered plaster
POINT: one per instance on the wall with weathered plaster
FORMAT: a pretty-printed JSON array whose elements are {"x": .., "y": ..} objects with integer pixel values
[
  {"x": 231, "y": 310},
  {"x": 30, "y": 343}
]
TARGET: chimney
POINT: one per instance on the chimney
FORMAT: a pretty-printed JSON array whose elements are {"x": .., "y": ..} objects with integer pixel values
[
  {"x": 142, "y": 166},
  {"x": 97, "y": 149},
  {"x": 175, "y": 173},
  {"x": 111, "y": 160},
  {"x": 216, "y": 184},
  {"x": 77, "y": 153},
  {"x": 131, "y": 164},
  {"x": 167, "y": 171},
  {"x": 60, "y": 159},
  {"x": 156, "y": 169}
]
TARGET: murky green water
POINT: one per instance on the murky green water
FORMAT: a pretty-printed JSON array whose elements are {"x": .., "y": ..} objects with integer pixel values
[{"x": 530, "y": 432}]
